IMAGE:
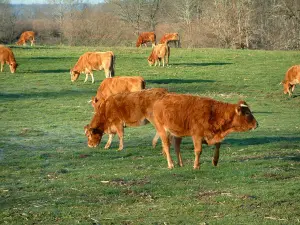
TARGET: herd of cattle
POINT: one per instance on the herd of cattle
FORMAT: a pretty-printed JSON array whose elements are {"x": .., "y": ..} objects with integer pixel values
[{"x": 124, "y": 101}]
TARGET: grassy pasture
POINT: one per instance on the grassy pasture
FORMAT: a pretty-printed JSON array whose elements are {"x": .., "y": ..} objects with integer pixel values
[{"x": 49, "y": 175}]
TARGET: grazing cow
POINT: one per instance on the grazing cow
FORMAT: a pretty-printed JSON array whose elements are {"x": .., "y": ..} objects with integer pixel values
[
  {"x": 206, "y": 120},
  {"x": 146, "y": 37},
  {"x": 132, "y": 109},
  {"x": 171, "y": 37},
  {"x": 159, "y": 52},
  {"x": 90, "y": 61},
  {"x": 7, "y": 56},
  {"x": 115, "y": 85},
  {"x": 26, "y": 36},
  {"x": 292, "y": 77}
]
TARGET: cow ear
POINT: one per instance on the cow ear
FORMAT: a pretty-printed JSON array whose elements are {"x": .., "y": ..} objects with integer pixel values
[
  {"x": 86, "y": 128},
  {"x": 238, "y": 110}
]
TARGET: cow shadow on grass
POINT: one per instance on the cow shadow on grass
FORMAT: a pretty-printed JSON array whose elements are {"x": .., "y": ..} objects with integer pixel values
[
  {"x": 41, "y": 95},
  {"x": 179, "y": 81},
  {"x": 51, "y": 71},
  {"x": 200, "y": 64},
  {"x": 292, "y": 141}
]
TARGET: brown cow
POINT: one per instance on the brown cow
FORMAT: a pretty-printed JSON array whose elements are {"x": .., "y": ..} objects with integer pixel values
[
  {"x": 26, "y": 36},
  {"x": 90, "y": 61},
  {"x": 292, "y": 77},
  {"x": 115, "y": 85},
  {"x": 7, "y": 56},
  {"x": 170, "y": 37},
  {"x": 205, "y": 119},
  {"x": 132, "y": 109},
  {"x": 146, "y": 37},
  {"x": 159, "y": 52}
]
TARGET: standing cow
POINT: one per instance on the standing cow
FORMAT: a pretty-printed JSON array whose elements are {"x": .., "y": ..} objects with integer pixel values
[
  {"x": 115, "y": 85},
  {"x": 132, "y": 109},
  {"x": 26, "y": 36},
  {"x": 146, "y": 37},
  {"x": 204, "y": 119},
  {"x": 90, "y": 61},
  {"x": 160, "y": 52},
  {"x": 292, "y": 77},
  {"x": 7, "y": 56},
  {"x": 171, "y": 37}
]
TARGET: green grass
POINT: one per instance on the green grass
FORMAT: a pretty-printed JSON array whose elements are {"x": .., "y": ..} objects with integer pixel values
[{"x": 50, "y": 176}]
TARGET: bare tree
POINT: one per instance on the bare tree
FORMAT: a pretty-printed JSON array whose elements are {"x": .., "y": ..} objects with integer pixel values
[
  {"x": 8, "y": 20},
  {"x": 140, "y": 14},
  {"x": 61, "y": 9}
]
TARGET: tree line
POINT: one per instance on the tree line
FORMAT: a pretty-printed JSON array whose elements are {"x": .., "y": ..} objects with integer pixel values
[{"x": 253, "y": 24}]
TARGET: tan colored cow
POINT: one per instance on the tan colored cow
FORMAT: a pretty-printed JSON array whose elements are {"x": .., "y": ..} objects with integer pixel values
[
  {"x": 160, "y": 52},
  {"x": 90, "y": 61},
  {"x": 292, "y": 77},
  {"x": 26, "y": 36},
  {"x": 146, "y": 37},
  {"x": 204, "y": 119},
  {"x": 132, "y": 109},
  {"x": 170, "y": 37},
  {"x": 7, "y": 56},
  {"x": 115, "y": 85}
]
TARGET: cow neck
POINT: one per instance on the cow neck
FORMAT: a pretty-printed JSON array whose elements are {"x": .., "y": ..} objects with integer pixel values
[
  {"x": 222, "y": 116},
  {"x": 98, "y": 119},
  {"x": 79, "y": 64}
]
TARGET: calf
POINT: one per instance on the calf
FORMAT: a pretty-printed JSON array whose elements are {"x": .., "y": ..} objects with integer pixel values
[
  {"x": 26, "y": 36},
  {"x": 7, "y": 56},
  {"x": 159, "y": 52},
  {"x": 90, "y": 61},
  {"x": 292, "y": 77},
  {"x": 204, "y": 119},
  {"x": 115, "y": 85},
  {"x": 132, "y": 109}
]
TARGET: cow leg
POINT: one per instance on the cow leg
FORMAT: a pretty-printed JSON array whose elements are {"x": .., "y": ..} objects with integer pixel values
[
  {"x": 163, "y": 61},
  {"x": 293, "y": 88},
  {"x": 216, "y": 154},
  {"x": 166, "y": 148},
  {"x": 2, "y": 67},
  {"x": 198, "y": 150},
  {"x": 176, "y": 143},
  {"x": 86, "y": 77},
  {"x": 155, "y": 139},
  {"x": 110, "y": 138},
  {"x": 120, "y": 132}
]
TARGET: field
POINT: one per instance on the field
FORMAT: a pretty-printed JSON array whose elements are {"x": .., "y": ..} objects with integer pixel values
[{"x": 50, "y": 176}]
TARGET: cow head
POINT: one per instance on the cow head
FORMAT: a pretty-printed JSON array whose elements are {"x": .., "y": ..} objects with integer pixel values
[
  {"x": 151, "y": 59},
  {"x": 74, "y": 75},
  {"x": 243, "y": 119},
  {"x": 139, "y": 41},
  {"x": 286, "y": 87},
  {"x": 13, "y": 66},
  {"x": 94, "y": 136}
]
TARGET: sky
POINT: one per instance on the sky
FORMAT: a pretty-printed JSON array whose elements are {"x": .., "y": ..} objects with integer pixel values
[{"x": 44, "y": 1}]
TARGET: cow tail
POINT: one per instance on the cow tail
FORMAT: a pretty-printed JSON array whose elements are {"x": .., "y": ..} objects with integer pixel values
[{"x": 112, "y": 65}]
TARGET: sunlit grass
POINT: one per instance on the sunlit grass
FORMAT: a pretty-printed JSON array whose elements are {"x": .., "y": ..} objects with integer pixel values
[{"x": 50, "y": 176}]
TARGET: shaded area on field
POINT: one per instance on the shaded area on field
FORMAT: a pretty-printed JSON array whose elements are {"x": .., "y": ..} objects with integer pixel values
[
  {"x": 53, "y": 57},
  {"x": 52, "y": 71},
  {"x": 262, "y": 140},
  {"x": 49, "y": 94},
  {"x": 201, "y": 64},
  {"x": 32, "y": 47},
  {"x": 179, "y": 81}
]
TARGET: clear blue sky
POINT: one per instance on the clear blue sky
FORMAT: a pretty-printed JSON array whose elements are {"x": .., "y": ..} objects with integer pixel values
[{"x": 45, "y": 1}]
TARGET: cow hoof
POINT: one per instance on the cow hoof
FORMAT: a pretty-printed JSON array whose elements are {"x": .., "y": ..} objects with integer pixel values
[
  {"x": 214, "y": 162},
  {"x": 196, "y": 167}
]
